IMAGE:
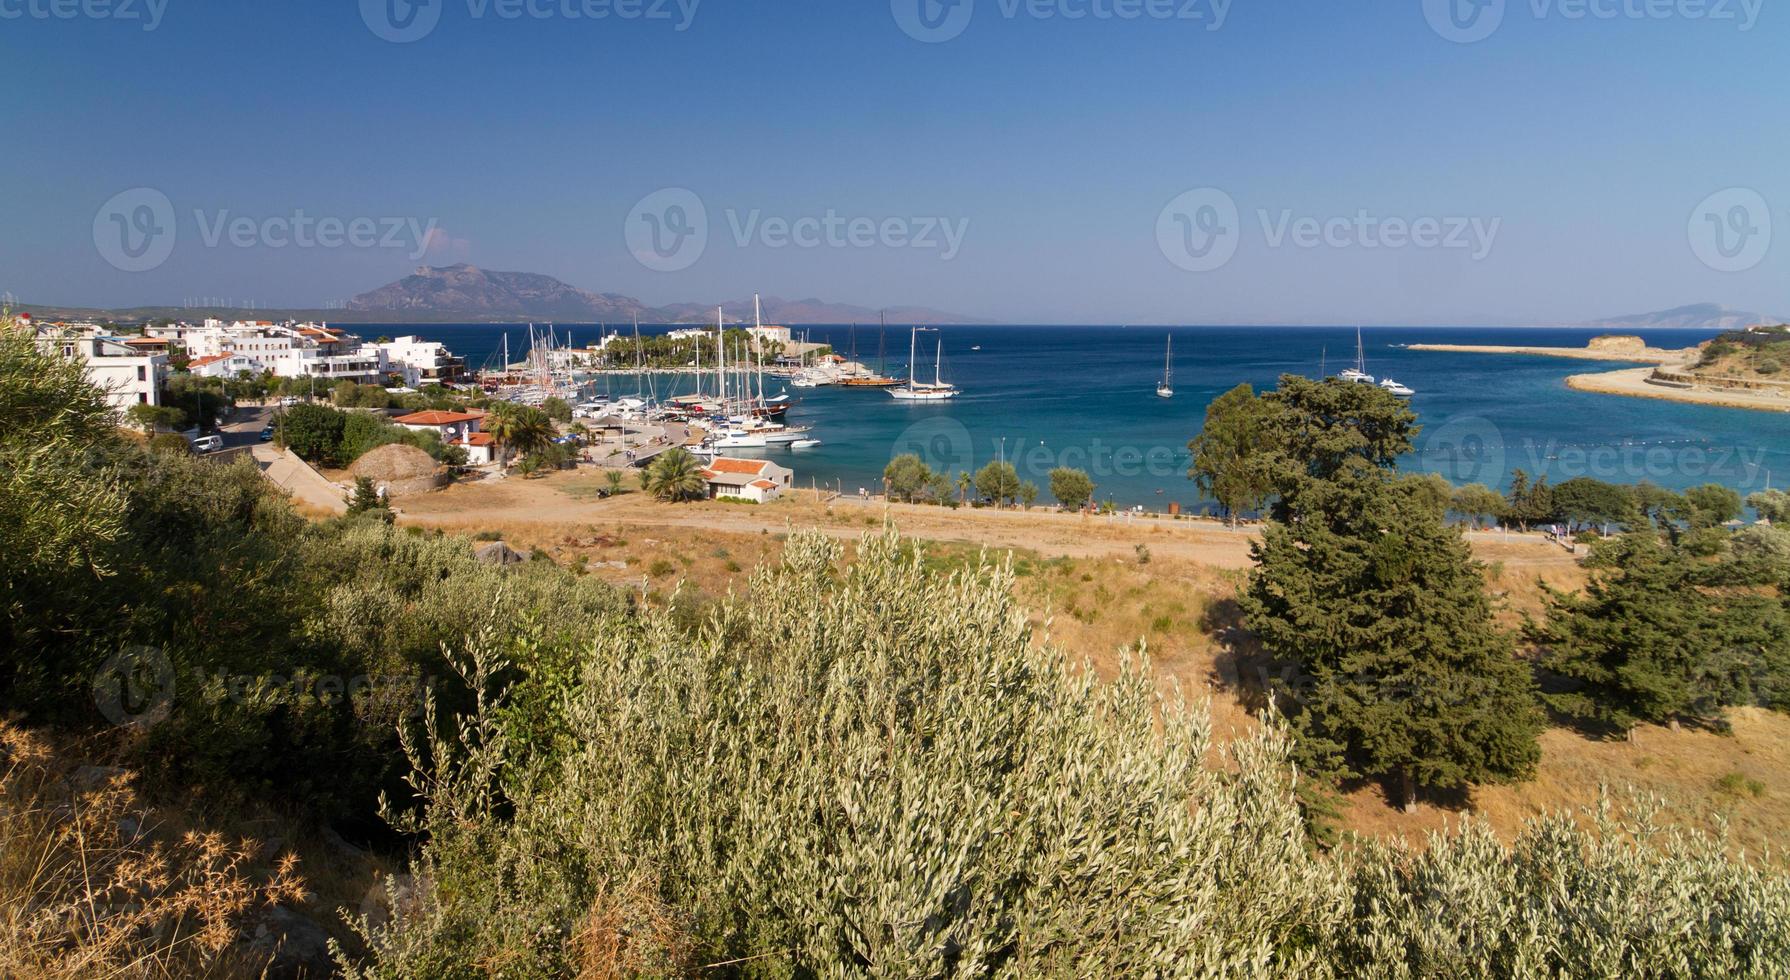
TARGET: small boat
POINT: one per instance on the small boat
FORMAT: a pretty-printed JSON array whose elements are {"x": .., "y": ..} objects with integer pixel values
[
  {"x": 918, "y": 391},
  {"x": 805, "y": 444},
  {"x": 1166, "y": 387},
  {"x": 1400, "y": 390},
  {"x": 977, "y": 347}
]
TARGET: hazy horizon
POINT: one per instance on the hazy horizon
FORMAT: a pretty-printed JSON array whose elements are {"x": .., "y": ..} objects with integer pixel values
[{"x": 1209, "y": 163}]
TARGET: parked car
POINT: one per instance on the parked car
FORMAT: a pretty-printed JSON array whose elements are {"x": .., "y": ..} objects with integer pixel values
[
  {"x": 208, "y": 444},
  {"x": 267, "y": 434}
]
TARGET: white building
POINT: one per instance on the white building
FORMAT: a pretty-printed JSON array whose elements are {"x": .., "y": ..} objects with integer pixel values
[
  {"x": 226, "y": 365},
  {"x": 770, "y": 335},
  {"x": 420, "y": 362},
  {"x": 757, "y": 480},
  {"x": 481, "y": 448},
  {"x": 302, "y": 350},
  {"x": 129, "y": 376}
]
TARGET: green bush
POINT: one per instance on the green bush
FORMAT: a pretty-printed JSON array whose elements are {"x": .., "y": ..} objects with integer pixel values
[{"x": 787, "y": 791}]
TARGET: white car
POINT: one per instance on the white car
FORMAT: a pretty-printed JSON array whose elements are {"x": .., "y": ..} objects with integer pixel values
[{"x": 208, "y": 444}]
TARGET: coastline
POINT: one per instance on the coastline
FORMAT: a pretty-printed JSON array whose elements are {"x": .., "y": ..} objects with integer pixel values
[{"x": 1633, "y": 383}]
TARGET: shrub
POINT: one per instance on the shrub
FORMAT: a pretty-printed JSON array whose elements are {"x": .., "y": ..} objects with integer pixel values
[{"x": 786, "y": 787}]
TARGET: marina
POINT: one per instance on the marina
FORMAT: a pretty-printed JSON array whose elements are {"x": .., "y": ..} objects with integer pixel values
[{"x": 1084, "y": 397}]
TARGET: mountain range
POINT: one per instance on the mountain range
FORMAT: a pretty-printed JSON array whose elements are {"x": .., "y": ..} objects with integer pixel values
[
  {"x": 465, "y": 293},
  {"x": 1695, "y": 317}
]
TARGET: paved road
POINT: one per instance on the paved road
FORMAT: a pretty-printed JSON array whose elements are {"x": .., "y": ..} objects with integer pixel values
[{"x": 243, "y": 428}]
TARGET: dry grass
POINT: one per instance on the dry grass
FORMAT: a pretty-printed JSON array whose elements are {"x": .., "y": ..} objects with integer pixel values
[
  {"x": 1083, "y": 579},
  {"x": 89, "y": 889},
  {"x": 1185, "y": 611}
]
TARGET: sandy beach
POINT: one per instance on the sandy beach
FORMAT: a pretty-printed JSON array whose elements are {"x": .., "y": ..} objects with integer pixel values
[{"x": 1633, "y": 383}]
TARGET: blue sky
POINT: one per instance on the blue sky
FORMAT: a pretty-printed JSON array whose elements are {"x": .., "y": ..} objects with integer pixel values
[{"x": 1564, "y": 162}]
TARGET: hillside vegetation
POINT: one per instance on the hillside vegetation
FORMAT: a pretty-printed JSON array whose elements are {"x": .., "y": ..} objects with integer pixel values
[
  {"x": 863, "y": 768},
  {"x": 1758, "y": 353}
]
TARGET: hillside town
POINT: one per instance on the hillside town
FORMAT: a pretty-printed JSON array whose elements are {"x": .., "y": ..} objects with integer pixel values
[{"x": 236, "y": 387}]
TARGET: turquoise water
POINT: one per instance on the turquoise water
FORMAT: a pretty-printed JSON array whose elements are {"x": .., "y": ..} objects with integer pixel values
[{"x": 1085, "y": 397}]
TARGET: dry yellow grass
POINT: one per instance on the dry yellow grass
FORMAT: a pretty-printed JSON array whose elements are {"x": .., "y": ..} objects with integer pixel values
[
  {"x": 91, "y": 885},
  {"x": 1083, "y": 578}
]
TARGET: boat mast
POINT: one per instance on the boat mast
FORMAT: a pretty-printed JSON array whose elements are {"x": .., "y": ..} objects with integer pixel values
[
  {"x": 913, "y": 353},
  {"x": 720, "y": 359},
  {"x": 938, "y": 363}
]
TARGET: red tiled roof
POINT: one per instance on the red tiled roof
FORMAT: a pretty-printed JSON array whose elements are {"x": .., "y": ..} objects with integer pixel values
[
  {"x": 765, "y": 485},
  {"x": 438, "y": 418},
  {"x": 213, "y": 359},
  {"x": 751, "y": 467},
  {"x": 476, "y": 439}
]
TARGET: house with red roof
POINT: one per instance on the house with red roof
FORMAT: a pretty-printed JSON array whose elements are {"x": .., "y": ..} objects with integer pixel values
[
  {"x": 450, "y": 426},
  {"x": 759, "y": 481},
  {"x": 480, "y": 447}
]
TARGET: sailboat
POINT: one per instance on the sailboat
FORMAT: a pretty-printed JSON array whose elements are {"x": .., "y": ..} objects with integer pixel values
[
  {"x": 1166, "y": 387},
  {"x": 1358, "y": 374},
  {"x": 859, "y": 379},
  {"x": 919, "y": 391}
]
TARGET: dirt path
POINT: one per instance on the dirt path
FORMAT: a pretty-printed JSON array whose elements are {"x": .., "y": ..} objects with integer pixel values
[
  {"x": 567, "y": 499},
  {"x": 292, "y": 475}
]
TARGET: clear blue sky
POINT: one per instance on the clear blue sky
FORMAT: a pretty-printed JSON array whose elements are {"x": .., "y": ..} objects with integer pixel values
[{"x": 1059, "y": 142}]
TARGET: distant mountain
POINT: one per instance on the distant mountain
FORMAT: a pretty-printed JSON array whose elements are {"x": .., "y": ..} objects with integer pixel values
[
  {"x": 1711, "y": 316},
  {"x": 467, "y": 291},
  {"x": 808, "y": 311},
  {"x": 464, "y": 292}
]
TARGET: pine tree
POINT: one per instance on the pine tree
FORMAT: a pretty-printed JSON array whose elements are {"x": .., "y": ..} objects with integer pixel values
[
  {"x": 1384, "y": 610},
  {"x": 1662, "y": 636}
]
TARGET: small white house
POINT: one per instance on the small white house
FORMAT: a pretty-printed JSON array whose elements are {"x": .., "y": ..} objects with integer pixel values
[
  {"x": 481, "y": 448},
  {"x": 450, "y": 426},
  {"x": 225, "y": 365},
  {"x": 757, "y": 480}
]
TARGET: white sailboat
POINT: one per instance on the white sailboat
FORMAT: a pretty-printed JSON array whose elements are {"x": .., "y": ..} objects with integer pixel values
[
  {"x": 1358, "y": 374},
  {"x": 1166, "y": 387},
  {"x": 919, "y": 391}
]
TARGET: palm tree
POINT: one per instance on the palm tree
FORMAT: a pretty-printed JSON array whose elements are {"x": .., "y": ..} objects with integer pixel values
[
  {"x": 519, "y": 429},
  {"x": 675, "y": 476},
  {"x": 615, "y": 479},
  {"x": 963, "y": 486}
]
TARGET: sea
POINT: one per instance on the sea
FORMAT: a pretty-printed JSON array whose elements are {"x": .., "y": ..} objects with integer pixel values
[{"x": 1041, "y": 397}]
